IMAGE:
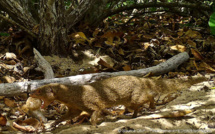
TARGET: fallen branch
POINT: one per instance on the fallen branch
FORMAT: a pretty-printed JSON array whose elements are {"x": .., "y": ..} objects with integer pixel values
[
  {"x": 10, "y": 89},
  {"x": 43, "y": 65},
  {"x": 160, "y": 4}
]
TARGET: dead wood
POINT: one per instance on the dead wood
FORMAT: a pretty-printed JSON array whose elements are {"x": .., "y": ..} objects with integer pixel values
[
  {"x": 43, "y": 65},
  {"x": 10, "y": 89}
]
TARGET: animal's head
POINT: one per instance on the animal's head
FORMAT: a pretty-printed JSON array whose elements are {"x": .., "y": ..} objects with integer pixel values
[{"x": 45, "y": 93}]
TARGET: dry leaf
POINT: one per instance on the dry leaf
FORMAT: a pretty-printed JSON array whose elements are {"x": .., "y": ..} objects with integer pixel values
[
  {"x": 147, "y": 25},
  {"x": 193, "y": 34},
  {"x": 191, "y": 43},
  {"x": 146, "y": 45},
  {"x": 10, "y": 62},
  {"x": 2, "y": 97},
  {"x": 179, "y": 48},
  {"x": 28, "y": 129},
  {"x": 127, "y": 68},
  {"x": 98, "y": 45},
  {"x": 95, "y": 33},
  {"x": 31, "y": 121},
  {"x": 121, "y": 51},
  {"x": 79, "y": 37},
  {"x": 8, "y": 79},
  {"x": 3, "y": 120},
  {"x": 9, "y": 103},
  {"x": 102, "y": 62},
  {"x": 208, "y": 67},
  {"x": 111, "y": 50},
  {"x": 196, "y": 54},
  {"x": 194, "y": 63},
  {"x": 110, "y": 43},
  {"x": 28, "y": 125},
  {"x": 10, "y": 56},
  {"x": 180, "y": 33},
  {"x": 147, "y": 36}
]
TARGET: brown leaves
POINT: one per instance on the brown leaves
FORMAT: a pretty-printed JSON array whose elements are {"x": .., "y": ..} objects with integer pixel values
[
  {"x": 79, "y": 37},
  {"x": 28, "y": 125},
  {"x": 9, "y": 102},
  {"x": 179, "y": 48},
  {"x": 196, "y": 54},
  {"x": 140, "y": 42},
  {"x": 193, "y": 34},
  {"x": 3, "y": 120},
  {"x": 127, "y": 68}
]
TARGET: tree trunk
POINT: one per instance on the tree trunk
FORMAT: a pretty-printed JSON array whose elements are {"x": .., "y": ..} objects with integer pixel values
[
  {"x": 55, "y": 24},
  {"x": 18, "y": 12},
  {"x": 53, "y": 28},
  {"x": 98, "y": 12},
  {"x": 55, "y": 21}
]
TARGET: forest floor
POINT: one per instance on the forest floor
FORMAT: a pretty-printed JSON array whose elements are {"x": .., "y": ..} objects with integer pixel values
[{"x": 142, "y": 43}]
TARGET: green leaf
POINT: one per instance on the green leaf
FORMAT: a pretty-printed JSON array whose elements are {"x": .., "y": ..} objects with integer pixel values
[
  {"x": 4, "y": 34},
  {"x": 212, "y": 23},
  {"x": 153, "y": 9}
]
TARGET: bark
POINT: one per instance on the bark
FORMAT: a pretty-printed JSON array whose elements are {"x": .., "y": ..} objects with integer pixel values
[
  {"x": 75, "y": 15},
  {"x": 18, "y": 12},
  {"x": 53, "y": 28},
  {"x": 10, "y": 89},
  {"x": 95, "y": 14},
  {"x": 55, "y": 23}
]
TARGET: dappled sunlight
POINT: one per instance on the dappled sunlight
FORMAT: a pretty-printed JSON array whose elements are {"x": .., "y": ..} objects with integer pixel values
[
  {"x": 165, "y": 123},
  {"x": 107, "y": 66},
  {"x": 122, "y": 121},
  {"x": 187, "y": 113},
  {"x": 104, "y": 124},
  {"x": 181, "y": 107},
  {"x": 85, "y": 127}
]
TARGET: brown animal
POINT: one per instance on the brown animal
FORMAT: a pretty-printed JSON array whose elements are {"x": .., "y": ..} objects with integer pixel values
[{"x": 129, "y": 91}]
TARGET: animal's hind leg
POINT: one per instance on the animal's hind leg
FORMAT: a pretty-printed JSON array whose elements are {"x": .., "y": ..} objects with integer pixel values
[{"x": 135, "y": 112}]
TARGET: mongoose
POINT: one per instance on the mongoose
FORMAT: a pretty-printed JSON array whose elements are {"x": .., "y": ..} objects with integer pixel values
[{"x": 130, "y": 91}]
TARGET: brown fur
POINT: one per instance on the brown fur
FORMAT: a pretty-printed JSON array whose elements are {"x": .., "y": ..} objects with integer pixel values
[{"x": 129, "y": 91}]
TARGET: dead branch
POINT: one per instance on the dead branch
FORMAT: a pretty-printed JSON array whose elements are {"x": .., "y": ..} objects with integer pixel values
[
  {"x": 43, "y": 65},
  {"x": 162, "y": 4},
  {"x": 10, "y": 89}
]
